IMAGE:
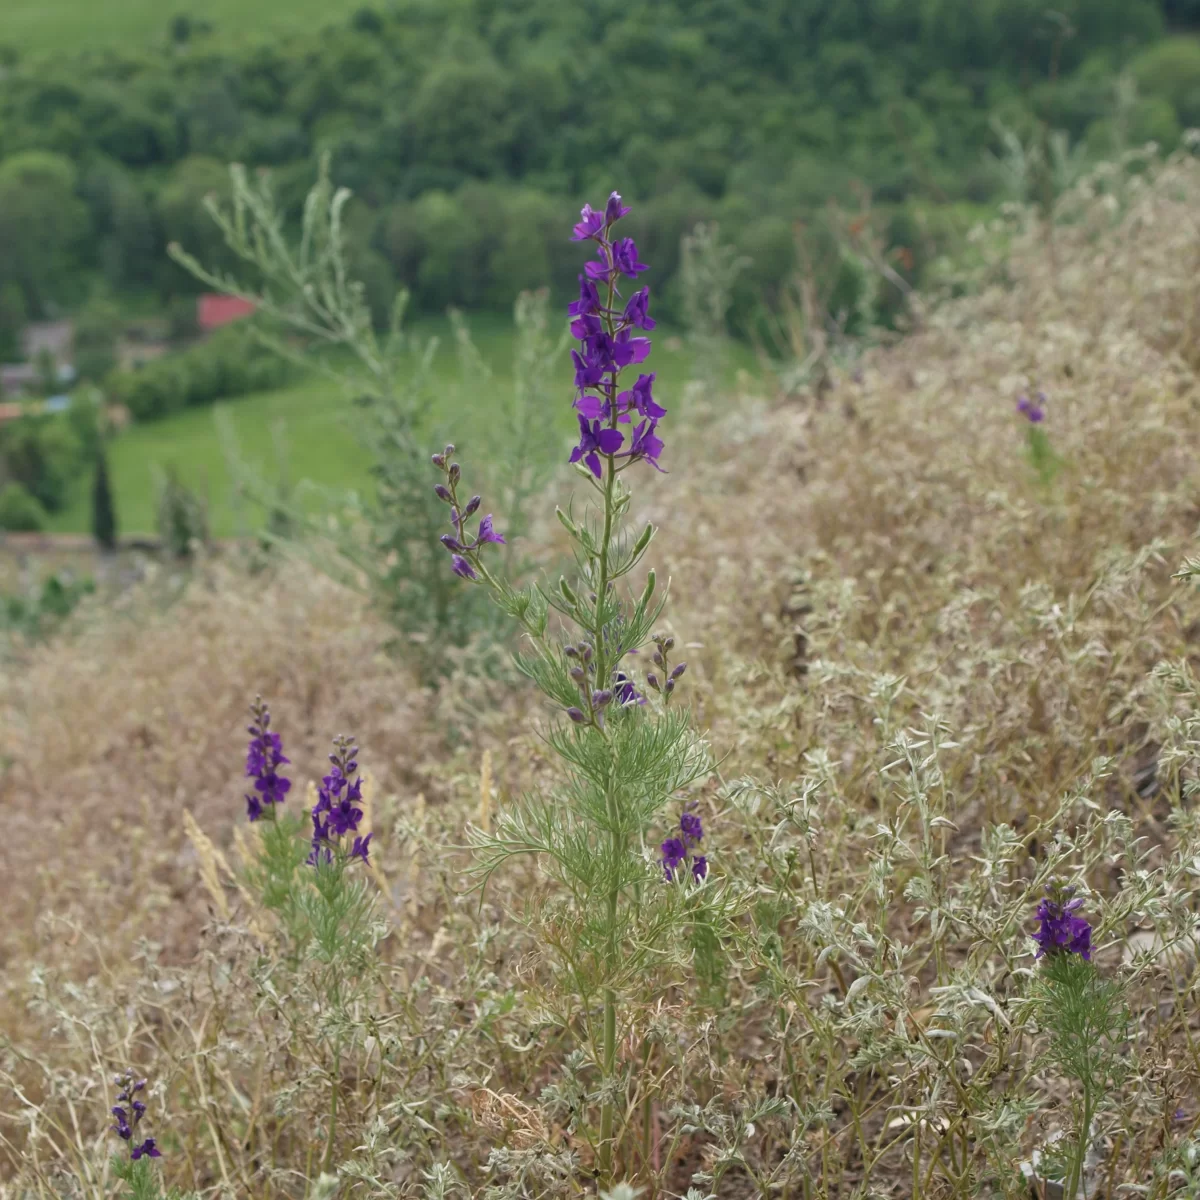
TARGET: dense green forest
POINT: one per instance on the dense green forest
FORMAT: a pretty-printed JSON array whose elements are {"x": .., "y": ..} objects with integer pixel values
[{"x": 469, "y": 131}]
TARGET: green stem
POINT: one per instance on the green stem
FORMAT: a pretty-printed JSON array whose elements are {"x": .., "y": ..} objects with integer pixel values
[
  {"x": 333, "y": 1099},
  {"x": 1080, "y": 1154}
]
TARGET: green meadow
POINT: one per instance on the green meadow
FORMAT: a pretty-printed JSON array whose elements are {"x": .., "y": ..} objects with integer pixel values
[{"x": 322, "y": 447}]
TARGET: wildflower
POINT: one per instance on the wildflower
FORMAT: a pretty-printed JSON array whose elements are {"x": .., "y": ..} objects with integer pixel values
[
  {"x": 1060, "y": 930},
  {"x": 635, "y": 310},
  {"x": 128, "y": 1111},
  {"x": 264, "y": 757},
  {"x": 677, "y": 849},
  {"x": 337, "y": 811},
  {"x": 625, "y": 257},
  {"x": 608, "y": 345},
  {"x": 487, "y": 533},
  {"x": 625, "y": 691},
  {"x": 674, "y": 856},
  {"x": 693, "y": 830},
  {"x": 591, "y": 224},
  {"x": 646, "y": 444},
  {"x": 641, "y": 399},
  {"x": 1033, "y": 410},
  {"x": 593, "y": 441}
]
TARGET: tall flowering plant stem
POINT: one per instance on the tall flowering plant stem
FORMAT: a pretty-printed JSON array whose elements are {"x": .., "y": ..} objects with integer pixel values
[
  {"x": 627, "y": 751},
  {"x": 1084, "y": 1014}
]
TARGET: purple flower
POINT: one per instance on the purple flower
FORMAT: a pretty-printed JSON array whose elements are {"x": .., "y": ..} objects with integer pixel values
[
  {"x": 337, "y": 811},
  {"x": 462, "y": 567},
  {"x": 589, "y": 370},
  {"x": 628, "y": 350},
  {"x": 625, "y": 258},
  {"x": 1033, "y": 410},
  {"x": 635, "y": 311},
  {"x": 646, "y": 444},
  {"x": 126, "y": 1123},
  {"x": 589, "y": 299},
  {"x": 625, "y": 691},
  {"x": 614, "y": 210},
  {"x": 691, "y": 827},
  {"x": 487, "y": 533},
  {"x": 1060, "y": 930},
  {"x": 593, "y": 441},
  {"x": 591, "y": 224},
  {"x": 640, "y": 399},
  {"x": 677, "y": 849},
  {"x": 608, "y": 344},
  {"x": 264, "y": 757},
  {"x": 674, "y": 854}
]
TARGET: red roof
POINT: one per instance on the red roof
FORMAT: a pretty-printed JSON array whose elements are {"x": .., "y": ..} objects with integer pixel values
[{"x": 213, "y": 311}]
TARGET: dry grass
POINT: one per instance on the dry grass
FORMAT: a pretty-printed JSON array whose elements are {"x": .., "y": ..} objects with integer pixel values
[{"x": 913, "y": 658}]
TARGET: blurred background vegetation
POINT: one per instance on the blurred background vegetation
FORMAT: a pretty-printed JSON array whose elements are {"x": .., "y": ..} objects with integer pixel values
[{"x": 471, "y": 130}]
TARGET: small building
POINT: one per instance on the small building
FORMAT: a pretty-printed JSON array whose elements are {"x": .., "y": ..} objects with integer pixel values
[
  {"x": 214, "y": 311},
  {"x": 54, "y": 337},
  {"x": 16, "y": 378}
]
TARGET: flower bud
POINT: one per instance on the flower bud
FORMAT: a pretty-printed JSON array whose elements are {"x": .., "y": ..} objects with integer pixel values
[
  {"x": 451, "y": 543},
  {"x": 455, "y": 473},
  {"x": 669, "y": 687},
  {"x": 443, "y": 493},
  {"x": 472, "y": 505},
  {"x": 652, "y": 681},
  {"x": 578, "y": 674},
  {"x": 439, "y": 460},
  {"x": 669, "y": 644},
  {"x": 656, "y": 658},
  {"x": 586, "y": 651},
  {"x": 648, "y": 590},
  {"x": 679, "y": 670},
  {"x": 449, "y": 450},
  {"x": 601, "y": 698},
  {"x": 577, "y": 716},
  {"x": 570, "y": 651}
]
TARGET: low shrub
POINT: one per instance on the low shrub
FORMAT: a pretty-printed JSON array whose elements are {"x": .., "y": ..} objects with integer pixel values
[{"x": 20, "y": 511}]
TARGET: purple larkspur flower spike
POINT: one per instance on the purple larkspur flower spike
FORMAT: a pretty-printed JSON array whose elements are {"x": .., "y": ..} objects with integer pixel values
[
  {"x": 1060, "y": 929},
  {"x": 264, "y": 757},
  {"x": 127, "y": 1119}
]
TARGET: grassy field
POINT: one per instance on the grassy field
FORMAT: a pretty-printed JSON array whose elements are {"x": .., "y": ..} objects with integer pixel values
[
  {"x": 36, "y": 26},
  {"x": 321, "y": 443}
]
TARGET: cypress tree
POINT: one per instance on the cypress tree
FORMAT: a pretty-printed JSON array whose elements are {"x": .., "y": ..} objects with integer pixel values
[{"x": 104, "y": 513}]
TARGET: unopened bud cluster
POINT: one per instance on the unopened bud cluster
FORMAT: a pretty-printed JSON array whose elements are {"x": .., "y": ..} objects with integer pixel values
[
  {"x": 665, "y": 684},
  {"x": 463, "y": 548}
]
